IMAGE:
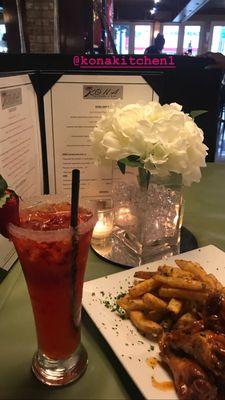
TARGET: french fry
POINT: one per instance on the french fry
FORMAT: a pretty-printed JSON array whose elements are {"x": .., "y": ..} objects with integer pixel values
[
  {"x": 123, "y": 301},
  {"x": 143, "y": 287},
  {"x": 158, "y": 298},
  {"x": 144, "y": 274},
  {"x": 166, "y": 269},
  {"x": 153, "y": 302},
  {"x": 215, "y": 284},
  {"x": 180, "y": 283},
  {"x": 134, "y": 304},
  {"x": 179, "y": 273},
  {"x": 145, "y": 325},
  {"x": 166, "y": 292},
  {"x": 185, "y": 320},
  {"x": 175, "y": 306},
  {"x": 210, "y": 282},
  {"x": 174, "y": 272},
  {"x": 192, "y": 267},
  {"x": 200, "y": 273}
]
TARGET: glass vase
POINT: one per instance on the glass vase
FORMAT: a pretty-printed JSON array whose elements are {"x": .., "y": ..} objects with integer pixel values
[{"x": 148, "y": 217}]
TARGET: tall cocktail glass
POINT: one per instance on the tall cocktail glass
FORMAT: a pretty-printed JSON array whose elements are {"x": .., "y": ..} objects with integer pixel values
[{"x": 53, "y": 258}]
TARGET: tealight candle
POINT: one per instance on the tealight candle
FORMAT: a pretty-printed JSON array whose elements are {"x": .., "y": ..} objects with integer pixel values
[
  {"x": 104, "y": 225},
  {"x": 124, "y": 217},
  {"x": 102, "y": 230}
]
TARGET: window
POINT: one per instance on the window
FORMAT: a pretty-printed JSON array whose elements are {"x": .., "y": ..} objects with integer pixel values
[
  {"x": 132, "y": 38},
  {"x": 142, "y": 35},
  {"x": 170, "y": 33},
  {"x": 218, "y": 39},
  {"x": 121, "y": 36},
  {"x": 3, "y": 45},
  {"x": 191, "y": 39}
]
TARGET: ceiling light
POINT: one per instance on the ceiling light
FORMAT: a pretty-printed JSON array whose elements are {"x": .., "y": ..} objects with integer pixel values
[
  {"x": 156, "y": 1},
  {"x": 153, "y": 10}
]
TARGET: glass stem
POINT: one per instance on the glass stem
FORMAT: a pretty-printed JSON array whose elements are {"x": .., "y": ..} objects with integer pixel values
[{"x": 143, "y": 179}]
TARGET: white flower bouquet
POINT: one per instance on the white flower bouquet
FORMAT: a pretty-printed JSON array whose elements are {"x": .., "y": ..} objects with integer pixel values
[{"x": 157, "y": 139}]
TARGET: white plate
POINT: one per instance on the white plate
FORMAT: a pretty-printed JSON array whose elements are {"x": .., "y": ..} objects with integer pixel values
[{"x": 131, "y": 348}]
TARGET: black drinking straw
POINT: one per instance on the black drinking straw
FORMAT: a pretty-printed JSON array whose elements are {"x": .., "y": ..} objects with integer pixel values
[
  {"x": 73, "y": 223},
  {"x": 75, "y": 197}
]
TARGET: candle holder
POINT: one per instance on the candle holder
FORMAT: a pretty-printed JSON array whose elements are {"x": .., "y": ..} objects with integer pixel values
[
  {"x": 114, "y": 237},
  {"x": 105, "y": 217},
  {"x": 124, "y": 217}
]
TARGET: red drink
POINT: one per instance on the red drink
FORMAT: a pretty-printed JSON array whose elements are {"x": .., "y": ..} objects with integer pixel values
[{"x": 53, "y": 258}]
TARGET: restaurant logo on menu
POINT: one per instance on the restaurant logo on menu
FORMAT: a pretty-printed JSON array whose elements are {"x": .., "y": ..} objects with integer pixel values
[
  {"x": 11, "y": 98},
  {"x": 110, "y": 92}
]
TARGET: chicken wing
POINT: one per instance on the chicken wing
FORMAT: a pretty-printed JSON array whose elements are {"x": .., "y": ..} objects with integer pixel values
[
  {"x": 206, "y": 347},
  {"x": 213, "y": 313},
  {"x": 191, "y": 381}
]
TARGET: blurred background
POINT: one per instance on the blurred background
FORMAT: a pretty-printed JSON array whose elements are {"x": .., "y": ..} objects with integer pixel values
[
  {"x": 40, "y": 28},
  {"x": 190, "y": 27}
]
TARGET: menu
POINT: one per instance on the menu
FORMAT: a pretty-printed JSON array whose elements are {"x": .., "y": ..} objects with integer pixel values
[
  {"x": 20, "y": 147},
  {"x": 72, "y": 108}
]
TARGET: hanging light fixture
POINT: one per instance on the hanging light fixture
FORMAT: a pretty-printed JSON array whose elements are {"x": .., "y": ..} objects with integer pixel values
[{"x": 153, "y": 10}]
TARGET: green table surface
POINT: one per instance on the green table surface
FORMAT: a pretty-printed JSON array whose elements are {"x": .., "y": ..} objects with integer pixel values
[{"x": 105, "y": 377}]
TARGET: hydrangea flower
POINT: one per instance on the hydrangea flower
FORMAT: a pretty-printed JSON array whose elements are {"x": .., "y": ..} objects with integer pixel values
[{"x": 158, "y": 138}]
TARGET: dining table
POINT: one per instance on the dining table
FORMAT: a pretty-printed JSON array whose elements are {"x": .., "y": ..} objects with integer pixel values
[{"x": 105, "y": 377}]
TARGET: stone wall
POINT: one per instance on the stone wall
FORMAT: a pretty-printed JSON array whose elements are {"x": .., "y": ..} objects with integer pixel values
[{"x": 39, "y": 25}]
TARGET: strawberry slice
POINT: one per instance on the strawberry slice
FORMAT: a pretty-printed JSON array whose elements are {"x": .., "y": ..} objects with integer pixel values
[{"x": 9, "y": 207}]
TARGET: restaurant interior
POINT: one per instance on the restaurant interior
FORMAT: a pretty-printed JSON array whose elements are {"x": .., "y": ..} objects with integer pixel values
[
  {"x": 115, "y": 27},
  {"x": 112, "y": 274}
]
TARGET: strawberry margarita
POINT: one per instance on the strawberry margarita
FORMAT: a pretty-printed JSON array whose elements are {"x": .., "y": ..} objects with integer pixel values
[{"x": 53, "y": 257}]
